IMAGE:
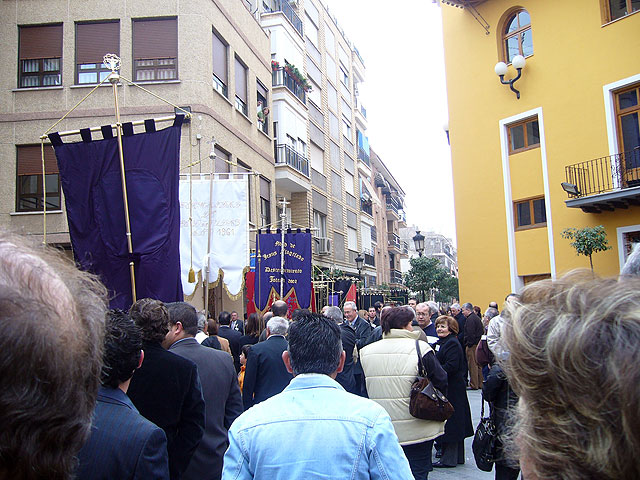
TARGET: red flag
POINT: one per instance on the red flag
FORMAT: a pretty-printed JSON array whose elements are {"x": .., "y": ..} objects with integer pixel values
[{"x": 351, "y": 294}]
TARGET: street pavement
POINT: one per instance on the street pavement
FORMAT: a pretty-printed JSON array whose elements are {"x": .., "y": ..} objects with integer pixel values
[{"x": 468, "y": 471}]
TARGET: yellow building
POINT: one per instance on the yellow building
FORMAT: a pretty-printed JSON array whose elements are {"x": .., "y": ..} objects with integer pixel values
[{"x": 575, "y": 122}]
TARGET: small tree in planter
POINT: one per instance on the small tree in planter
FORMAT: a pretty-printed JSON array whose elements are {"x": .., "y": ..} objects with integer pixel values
[{"x": 587, "y": 240}]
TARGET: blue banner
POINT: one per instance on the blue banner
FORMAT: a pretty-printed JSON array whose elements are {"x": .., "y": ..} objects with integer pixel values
[
  {"x": 92, "y": 185},
  {"x": 297, "y": 268}
]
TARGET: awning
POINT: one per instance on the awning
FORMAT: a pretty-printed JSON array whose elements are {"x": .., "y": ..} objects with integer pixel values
[{"x": 372, "y": 191}]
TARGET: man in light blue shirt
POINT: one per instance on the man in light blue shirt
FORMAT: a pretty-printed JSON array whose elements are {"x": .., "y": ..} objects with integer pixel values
[{"x": 314, "y": 428}]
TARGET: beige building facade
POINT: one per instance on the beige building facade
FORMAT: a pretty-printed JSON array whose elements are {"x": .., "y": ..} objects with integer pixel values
[{"x": 210, "y": 56}]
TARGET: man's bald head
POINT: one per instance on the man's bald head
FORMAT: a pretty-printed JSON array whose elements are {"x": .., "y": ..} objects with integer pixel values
[
  {"x": 50, "y": 358},
  {"x": 279, "y": 308}
]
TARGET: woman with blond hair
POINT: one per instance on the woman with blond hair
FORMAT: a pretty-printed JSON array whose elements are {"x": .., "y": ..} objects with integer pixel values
[{"x": 573, "y": 360}]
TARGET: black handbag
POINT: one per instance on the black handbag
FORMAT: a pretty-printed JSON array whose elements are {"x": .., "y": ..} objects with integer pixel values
[
  {"x": 484, "y": 442},
  {"x": 426, "y": 401}
]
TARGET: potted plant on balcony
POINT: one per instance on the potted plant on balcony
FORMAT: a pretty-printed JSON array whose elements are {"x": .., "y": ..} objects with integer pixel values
[{"x": 275, "y": 65}]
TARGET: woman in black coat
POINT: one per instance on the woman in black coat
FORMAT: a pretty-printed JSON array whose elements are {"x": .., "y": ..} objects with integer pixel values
[
  {"x": 497, "y": 392},
  {"x": 459, "y": 426}
]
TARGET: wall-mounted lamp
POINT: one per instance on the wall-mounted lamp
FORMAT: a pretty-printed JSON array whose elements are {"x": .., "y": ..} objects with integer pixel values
[
  {"x": 501, "y": 70},
  {"x": 445, "y": 127},
  {"x": 570, "y": 188}
]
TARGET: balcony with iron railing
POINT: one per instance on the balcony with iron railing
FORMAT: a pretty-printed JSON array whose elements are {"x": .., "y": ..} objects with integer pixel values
[
  {"x": 280, "y": 77},
  {"x": 285, "y": 7},
  {"x": 366, "y": 206},
  {"x": 369, "y": 260},
  {"x": 405, "y": 248},
  {"x": 364, "y": 156},
  {"x": 286, "y": 154},
  {"x": 604, "y": 183},
  {"x": 394, "y": 241},
  {"x": 392, "y": 207},
  {"x": 396, "y": 277}
]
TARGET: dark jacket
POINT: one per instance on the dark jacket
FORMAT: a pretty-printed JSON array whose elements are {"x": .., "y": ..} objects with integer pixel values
[
  {"x": 503, "y": 400},
  {"x": 122, "y": 444},
  {"x": 265, "y": 374},
  {"x": 225, "y": 331},
  {"x": 462, "y": 320},
  {"x": 247, "y": 340},
  {"x": 430, "y": 331},
  {"x": 223, "y": 404},
  {"x": 449, "y": 354},
  {"x": 345, "y": 378},
  {"x": 473, "y": 330},
  {"x": 166, "y": 390},
  {"x": 363, "y": 329},
  {"x": 238, "y": 326}
]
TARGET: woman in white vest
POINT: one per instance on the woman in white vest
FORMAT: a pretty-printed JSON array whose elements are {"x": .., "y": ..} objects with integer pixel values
[{"x": 390, "y": 367}]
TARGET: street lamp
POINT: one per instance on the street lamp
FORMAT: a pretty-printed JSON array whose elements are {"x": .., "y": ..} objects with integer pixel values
[
  {"x": 501, "y": 70},
  {"x": 418, "y": 240}
]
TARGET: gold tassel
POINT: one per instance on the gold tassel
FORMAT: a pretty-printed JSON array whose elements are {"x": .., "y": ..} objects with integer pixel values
[{"x": 192, "y": 276}]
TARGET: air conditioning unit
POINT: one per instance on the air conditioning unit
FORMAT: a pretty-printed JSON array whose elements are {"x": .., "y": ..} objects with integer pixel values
[{"x": 324, "y": 246}]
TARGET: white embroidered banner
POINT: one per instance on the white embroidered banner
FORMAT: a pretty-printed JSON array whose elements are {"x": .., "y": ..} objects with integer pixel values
[
  {"x": 200, "y": 209},
  {"x": 229, "y": 233}
]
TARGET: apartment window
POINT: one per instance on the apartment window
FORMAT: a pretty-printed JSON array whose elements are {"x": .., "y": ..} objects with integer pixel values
[
  {"x": 219, "y": 65},
  {"x": 329, "y": 41},
  {"x": 93, "y": 42},
  {"x": 263, "y": 106},
  {"x": 352, "y": 239},
  {"x": 29, "y": 188},
  {"x": 155, "y": 49},
  {"x": 348, "y": 183},
  {"x": 346, "y": 128},
  {"x": 331, "y": 69},
  {"x": 40, "y": 56},
  {"x": 524, "y": 135},
  {"x": 222, "y": 162},
  {"x": 302, "y": 147},
  {"x": 311, "y": 31},
  {"x": 620, "y": 8},
  {"x": 265, "y": 202},
  {"x": 344, "y": 77},
  {"x": 517, "y": 35},
  {"x": 320, "y": 224},
  {"x": 530, "y": 213},
  {"x": 241, "y": 86},
  {"x": 244, "y": 168},
  {"x": 627, "y": 113}
]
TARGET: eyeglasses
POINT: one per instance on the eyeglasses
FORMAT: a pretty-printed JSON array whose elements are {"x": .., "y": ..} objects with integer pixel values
[{"x": 420, "y": 314}]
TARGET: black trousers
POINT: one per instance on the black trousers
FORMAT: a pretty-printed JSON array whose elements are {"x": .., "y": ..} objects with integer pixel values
[
  {"x": 419, "y": 456},
  {"x": 452, "y": 453},
  {"x": 506, "y": 473}
]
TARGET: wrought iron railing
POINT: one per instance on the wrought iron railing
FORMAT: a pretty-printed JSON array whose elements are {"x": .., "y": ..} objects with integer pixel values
[
  {"x": 281, "y": 77},
  {"x": 391, "y": 205},
  {"x": 284, "y": 7},
  {"x": 396, "y": 276},
  {"x": 366, "y": 206},
  {"x": 394, "y": 241},
  {"x": 286, "y": 154},
  {"x": 405, "y": 248},
  {"x": 604, "y": 174},
  {"x": 364, "y": 156}
]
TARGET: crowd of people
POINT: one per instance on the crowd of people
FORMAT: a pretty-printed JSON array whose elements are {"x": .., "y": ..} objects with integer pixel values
[{"x": 163, "y": 392}]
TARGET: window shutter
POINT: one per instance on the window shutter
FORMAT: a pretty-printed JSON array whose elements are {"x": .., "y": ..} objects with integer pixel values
[
  {"x": 241, "y": 81},
  {"x": 43, "y": 41},
  {"x": 220, "y": 59},
  {"x": 264, "y": 188},
  {"x": 95, "y": 40},
  {"x": 262, "y": 90},
  {"x": 30, "y": 160},
  {"x": 155, "y": 39}
]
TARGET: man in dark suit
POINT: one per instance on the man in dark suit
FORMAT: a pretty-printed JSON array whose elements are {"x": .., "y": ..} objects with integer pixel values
[
  {"x": 473, "y": 331},
  {"x": 265, "y": 374},
  {"x": 122, "y": 444},
  {"x": 233, "y": 336},
  {"x": 223, "y": 402},
  {"x": 166, "y": 389},
  {"x": 363, "y": 329},
  {"x": 236, "y": 323},
  {"x": 456, "y": 311},
  {"x": 348, "y": 337}
]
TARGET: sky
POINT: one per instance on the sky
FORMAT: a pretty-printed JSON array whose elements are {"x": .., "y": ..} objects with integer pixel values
[{"x": 405, "y": 96}]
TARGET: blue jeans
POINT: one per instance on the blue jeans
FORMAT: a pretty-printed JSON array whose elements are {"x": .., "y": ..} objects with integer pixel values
[{"x": 419, "y": 456}]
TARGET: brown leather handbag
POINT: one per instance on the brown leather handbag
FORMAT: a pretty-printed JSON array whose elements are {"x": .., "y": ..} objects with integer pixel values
[{"x": 426, "y": 401}]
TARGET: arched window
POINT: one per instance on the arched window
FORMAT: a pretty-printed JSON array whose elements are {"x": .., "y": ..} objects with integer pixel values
[{"x": 517, "y": 35}]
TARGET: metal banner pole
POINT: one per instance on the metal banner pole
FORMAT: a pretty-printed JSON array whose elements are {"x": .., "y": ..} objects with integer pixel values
[{"x": 114, "y": 78}]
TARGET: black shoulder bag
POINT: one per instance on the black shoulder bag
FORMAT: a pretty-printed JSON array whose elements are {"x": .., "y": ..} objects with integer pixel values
[
  {"x": 426, "y": 401},
  {"x": 484, "y": 442}
]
